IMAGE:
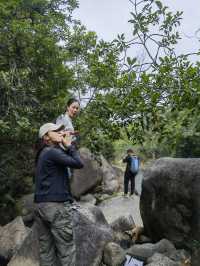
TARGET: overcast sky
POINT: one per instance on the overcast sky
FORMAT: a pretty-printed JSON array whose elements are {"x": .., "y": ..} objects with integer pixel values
[{"x": 110, "y": 17}]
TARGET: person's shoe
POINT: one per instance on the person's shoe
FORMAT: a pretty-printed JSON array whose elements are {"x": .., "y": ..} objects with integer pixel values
[
  {"x": 131, "y": 196},
  {"x": 125, "y": 195}
]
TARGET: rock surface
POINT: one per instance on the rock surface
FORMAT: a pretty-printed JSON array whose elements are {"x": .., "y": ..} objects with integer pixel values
[
  {"x": 161, "y": 260},
  {"x": 170, "y": 200},
  {"x": 28, "y": 254},
  {"x": 114, "y": 255},
  {"x": 118, "y": 206},
  {"x": 110, "y": 182},
  {"x": 145, "y": 251},
  {"x": 92, "y": 233},
  {"x": 93, "y": 174},
  {"x": 123, "y": 224},
  {"x": 87, "y": 178},
  {"x": 120, "y": 176},
  {"x": 12, "y": 236}
]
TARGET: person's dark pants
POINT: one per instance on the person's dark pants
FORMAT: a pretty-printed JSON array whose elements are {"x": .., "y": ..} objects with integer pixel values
[{"x": 129, "y": 178}]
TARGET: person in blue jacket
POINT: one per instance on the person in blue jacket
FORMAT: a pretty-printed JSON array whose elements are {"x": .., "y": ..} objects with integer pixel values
[
  {"x": 129, "y": 175},
  {"x": 54, "y": 203}
]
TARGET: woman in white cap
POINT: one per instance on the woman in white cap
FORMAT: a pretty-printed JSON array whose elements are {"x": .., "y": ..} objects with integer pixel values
[{"x": 54, "y": 203}]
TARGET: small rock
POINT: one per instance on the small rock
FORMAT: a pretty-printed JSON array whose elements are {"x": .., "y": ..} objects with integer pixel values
[{"x": 113, "y": 254}]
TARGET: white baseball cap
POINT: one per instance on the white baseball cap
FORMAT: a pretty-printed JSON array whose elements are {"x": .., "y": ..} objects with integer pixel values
[{"x": 49, "y": 127}]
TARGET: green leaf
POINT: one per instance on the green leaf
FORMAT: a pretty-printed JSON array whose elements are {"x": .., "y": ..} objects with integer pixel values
[{"x": 159, "y": 4}]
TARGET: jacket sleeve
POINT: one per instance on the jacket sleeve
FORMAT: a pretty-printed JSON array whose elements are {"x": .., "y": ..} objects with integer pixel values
[
  {"x": 69, "y": 158},
  {"x": 125, "y": 160}
]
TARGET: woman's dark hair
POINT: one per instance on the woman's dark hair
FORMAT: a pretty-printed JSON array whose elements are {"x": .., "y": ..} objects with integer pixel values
[
  {"x": 72, "y": 100},
  {"x": 130, "y": 150},
  {"x": 39, "y": 146}
]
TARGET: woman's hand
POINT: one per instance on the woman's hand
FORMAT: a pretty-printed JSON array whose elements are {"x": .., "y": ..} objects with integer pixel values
[{"x": 66, "y": 138}]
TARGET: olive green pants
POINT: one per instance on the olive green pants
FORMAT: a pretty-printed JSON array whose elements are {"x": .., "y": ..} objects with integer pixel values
[{"x": 54, "y": 222}]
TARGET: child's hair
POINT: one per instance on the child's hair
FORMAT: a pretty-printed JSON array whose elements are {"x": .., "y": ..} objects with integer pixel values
[{"x": 129, "y": 151}]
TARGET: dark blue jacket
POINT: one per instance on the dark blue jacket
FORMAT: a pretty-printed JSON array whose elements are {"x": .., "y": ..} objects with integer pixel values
[{"x": 51, "y": 182}]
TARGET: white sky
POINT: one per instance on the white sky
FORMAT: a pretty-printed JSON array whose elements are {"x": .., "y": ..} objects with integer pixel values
[{"x": 110, "y": 17}]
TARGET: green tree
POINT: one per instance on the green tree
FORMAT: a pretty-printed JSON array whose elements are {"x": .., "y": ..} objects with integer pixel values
[
  {"x": 33, "y": 83},
  {"x": 46, "y": 56},
  {"x": 151, "y": 96}
]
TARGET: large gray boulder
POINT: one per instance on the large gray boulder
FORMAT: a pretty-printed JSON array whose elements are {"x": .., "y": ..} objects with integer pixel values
[
  {"x": 12, "y": 236},
  {"x": 93, "y": 174},
  {"x": 28, "y": 254},
  {"x": 87, "y": 178},
  {"x": 170, "y": 200},
  {"x": 110, "y": 182},
  {"x": 120, "y": 176},
  {"x": 92, "y": 233}
]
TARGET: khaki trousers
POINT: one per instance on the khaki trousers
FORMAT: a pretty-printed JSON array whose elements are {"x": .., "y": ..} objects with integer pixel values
[{"x": 54, "y": 222}]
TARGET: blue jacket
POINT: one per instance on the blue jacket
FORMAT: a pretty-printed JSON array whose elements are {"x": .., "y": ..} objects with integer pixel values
[{"x": 51, "y": 181}]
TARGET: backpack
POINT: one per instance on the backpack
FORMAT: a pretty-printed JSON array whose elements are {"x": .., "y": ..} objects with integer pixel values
[{"x": 134, "y": 165}]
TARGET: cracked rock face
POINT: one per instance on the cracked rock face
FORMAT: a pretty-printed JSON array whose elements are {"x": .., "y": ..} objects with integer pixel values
[
  {"x": 12, "y": 236},
  {"x": 92, "y": 233},
  {"x": 170, "y": 200}
]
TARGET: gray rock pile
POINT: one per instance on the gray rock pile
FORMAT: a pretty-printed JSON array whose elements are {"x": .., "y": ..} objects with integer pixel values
[
  {"x": 98, "y": 243},
  {"x": 108, "y": 234}
]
